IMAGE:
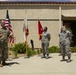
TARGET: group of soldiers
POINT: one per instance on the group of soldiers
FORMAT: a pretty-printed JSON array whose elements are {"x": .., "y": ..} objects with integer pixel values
[
  {"x": 64, "y": 43},
  {"x": 65, "y": 39}
]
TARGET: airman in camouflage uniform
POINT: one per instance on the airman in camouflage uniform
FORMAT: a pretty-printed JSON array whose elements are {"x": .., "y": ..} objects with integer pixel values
[
  {"x": 65, "y": 41},
  {"x": 4, "y": 34},
  {"x": 45, "y": 42}
]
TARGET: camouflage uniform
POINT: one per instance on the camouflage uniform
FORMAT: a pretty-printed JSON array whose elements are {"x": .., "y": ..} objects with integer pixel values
[
  {"x": 65, "y": 42},
  {"x": 45, "y": 43},
  {"x": 4, "y": 34}
]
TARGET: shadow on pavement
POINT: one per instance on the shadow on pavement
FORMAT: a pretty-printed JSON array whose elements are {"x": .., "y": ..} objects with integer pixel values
[{"x": 11, "y": 63}]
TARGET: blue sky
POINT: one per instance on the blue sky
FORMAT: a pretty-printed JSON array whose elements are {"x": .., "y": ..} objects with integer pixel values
[{"x": 43, "y": 0}]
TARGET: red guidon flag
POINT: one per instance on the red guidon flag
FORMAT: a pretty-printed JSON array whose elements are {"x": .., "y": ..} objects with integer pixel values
[{"x": 40, "y": 30}]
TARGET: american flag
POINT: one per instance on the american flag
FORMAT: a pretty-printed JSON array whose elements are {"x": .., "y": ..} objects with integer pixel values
[{"x": 8, "y": 26}]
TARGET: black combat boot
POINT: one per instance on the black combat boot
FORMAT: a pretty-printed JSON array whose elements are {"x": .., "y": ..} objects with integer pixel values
[
  {"x": 63, "y": 58},
  {"x": 69, "y": 59},
  {"x": 4, "y": 63},
  {"x": 1, "y": 64},
  {"x": 43, "y": 56},
  {"x": 47, "y": 57}
]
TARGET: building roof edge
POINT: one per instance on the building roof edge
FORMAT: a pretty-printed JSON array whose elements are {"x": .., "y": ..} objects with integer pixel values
[{"x": 3, "y": 2}]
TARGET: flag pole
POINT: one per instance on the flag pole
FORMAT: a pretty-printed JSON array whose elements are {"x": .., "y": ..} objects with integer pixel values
[
  {"x": 26, "y": 33},
  {"x": 39, "y": 46},
  {"x": 40, "y": 33},
  {"x": 25, "y": 37},
  {"x": 26, "y": 47}
]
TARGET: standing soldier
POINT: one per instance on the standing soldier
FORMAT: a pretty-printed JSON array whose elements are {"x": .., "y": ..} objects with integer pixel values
[
  {"x": 4, "y": 34},
  {"x": 45, "y": 42},
  {"x": 65, "y": 44}
]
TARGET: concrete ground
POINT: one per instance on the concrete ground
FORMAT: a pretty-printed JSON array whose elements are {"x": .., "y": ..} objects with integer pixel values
[{"x": 37, "y": 66}]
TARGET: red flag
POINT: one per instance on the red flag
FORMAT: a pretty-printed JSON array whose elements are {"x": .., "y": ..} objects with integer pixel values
[
  {"x": 40, "y": 30},
  {"x": 8, "y": 26}
]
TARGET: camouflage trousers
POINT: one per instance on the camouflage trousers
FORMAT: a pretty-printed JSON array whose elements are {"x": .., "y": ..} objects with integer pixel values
[
  {"x": 3, "y": 52},
  {"x": 65, "y": 50},
  {"x": 45, "y": 48},
  {"x": 0, "y": 54}
]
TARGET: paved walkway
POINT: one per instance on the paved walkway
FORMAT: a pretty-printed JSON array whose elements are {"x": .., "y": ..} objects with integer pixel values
[{"x": 37, "y": 66}]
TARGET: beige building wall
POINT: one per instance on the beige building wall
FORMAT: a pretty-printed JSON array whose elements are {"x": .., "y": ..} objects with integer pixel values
[
  {"x": 69, "y": 11},
  {"x": 49, "y": 16}
]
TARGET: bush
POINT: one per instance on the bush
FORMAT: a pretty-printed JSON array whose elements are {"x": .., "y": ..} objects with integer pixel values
[
  {"x": 20, "y": 48},
  {"x": 73, "y": 49},
  {"x": 30, "y": 52},
  {"x": 54, "y": 49}
]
